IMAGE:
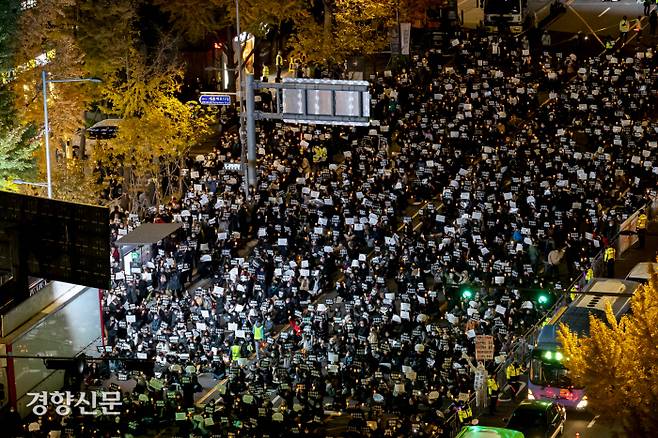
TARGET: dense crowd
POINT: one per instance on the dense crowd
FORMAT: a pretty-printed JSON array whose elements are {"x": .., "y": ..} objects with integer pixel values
[{"x": 338, "y": 283}]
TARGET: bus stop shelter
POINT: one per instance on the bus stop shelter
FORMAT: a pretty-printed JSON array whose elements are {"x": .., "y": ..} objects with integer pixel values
[{"x": 135, "y": 247}]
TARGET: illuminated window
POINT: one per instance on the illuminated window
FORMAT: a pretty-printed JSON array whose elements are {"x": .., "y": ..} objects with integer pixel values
[{"x": 27, "y": 4}]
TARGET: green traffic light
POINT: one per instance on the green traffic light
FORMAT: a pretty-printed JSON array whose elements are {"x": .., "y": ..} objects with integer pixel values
[
  {"x": 542, "y": 299},
  {"x": 467, "y": 294}
]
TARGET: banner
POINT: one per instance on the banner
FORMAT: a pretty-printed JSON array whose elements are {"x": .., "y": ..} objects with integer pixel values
[{"x": 405, "y": 38}]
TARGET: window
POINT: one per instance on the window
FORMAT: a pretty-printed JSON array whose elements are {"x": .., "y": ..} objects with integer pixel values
[
  {"x": 502, "y": 7},
  {"x": 526, "y": 419},
  {"x": 549, "y": 374},
  {"x": 28, "y": 4}
]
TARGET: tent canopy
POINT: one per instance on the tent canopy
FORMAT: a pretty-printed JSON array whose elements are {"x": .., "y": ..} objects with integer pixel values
[{"x": 148, "y": 233}]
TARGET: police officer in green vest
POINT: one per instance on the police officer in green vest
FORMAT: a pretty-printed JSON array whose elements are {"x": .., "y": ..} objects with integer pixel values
[
  {"x": 641, "y": 228},
  {"x": 259, "y": 334},
  {"x": 279, "y": 65},
  {"x": 609, "y": 259},
  {"x": 492, "y": 391},
  {"x": 464, "y": 413},
  {"x": 236, "y": 350}
]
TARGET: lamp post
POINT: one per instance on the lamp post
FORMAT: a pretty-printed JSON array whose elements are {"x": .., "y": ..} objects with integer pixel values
[
  {"x": 241, "y": 132},
  {"x": 29, "y": 183},
  {"x": 45, "y": 81}
]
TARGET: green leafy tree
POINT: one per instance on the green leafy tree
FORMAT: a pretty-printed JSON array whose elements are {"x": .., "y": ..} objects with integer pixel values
[
  {"x": 17, "y": 147},
  {"x": 9, "y": 14},
  {"x": 106, "y": 30},
  {"x": 618, "y": 363}
]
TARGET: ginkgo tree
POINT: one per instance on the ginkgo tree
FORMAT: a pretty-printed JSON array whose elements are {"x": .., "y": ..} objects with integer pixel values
[
  {"x": 346, "y": 27},
  {"x": 618, "y": 363},
  {"x": 156, "y": 129}
]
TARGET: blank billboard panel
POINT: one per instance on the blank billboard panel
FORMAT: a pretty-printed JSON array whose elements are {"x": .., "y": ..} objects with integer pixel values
[
  {"x": 319, "y": 102},
  {"x": 324, "y": 101},
  {"x": 347, "y": 103},
  {"x": 293, "y": 101}
]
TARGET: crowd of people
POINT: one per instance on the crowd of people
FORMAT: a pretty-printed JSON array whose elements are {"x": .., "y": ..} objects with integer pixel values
[{"x": 338, "y": 283}]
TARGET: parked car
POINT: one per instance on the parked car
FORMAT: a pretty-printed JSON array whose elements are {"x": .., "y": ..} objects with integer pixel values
[
  {"x": 488, "y": 432},
  {"x": 538, "y": 419}
]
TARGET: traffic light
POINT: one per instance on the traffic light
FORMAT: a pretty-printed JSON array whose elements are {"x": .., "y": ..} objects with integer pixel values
[
  {"x": 555, "y": 356},
  {"x": 467, "y": 294},
  {"x": 543, "y": 298}
]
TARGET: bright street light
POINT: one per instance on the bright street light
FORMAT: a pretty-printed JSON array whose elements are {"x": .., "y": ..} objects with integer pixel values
[
  {"x": 29, "y": 183},
  {"x": 45, "y": 81}
]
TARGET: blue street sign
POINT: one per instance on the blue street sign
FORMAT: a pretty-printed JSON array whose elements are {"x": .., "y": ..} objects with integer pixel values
[{"x": 214, "y": 99}]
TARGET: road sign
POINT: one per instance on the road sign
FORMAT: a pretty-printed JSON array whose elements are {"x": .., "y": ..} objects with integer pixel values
[
  {"x": 321, "y": 101},
  {"x": 214, "y": 99}
]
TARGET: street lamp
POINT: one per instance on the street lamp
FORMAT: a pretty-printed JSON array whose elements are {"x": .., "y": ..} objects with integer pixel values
[
  {"x": 29, "y": 183},
  {"x": 45, "y": 81}
]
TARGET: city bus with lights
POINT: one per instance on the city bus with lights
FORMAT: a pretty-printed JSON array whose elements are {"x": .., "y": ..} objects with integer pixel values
[{"x": 548, "y": 379}]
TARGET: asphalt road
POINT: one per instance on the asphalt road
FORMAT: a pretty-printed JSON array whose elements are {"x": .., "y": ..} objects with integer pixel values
[
  {"x": 596, "y": 16},
  {"x": 583, "y": 422}
]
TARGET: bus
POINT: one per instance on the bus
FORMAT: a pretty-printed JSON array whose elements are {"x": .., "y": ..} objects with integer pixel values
[
  {"x": 548, "y": 379},
  {"x": 642, "y": 272},
  {"x": 499, "y": 14}
]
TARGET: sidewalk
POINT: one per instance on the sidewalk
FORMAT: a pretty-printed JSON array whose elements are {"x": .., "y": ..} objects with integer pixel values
[{"x": 634, "y": 255}]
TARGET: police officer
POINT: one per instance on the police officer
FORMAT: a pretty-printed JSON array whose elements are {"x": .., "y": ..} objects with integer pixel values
[
  {"x": 492, "y": 390},
  {"x": 624, "y": 27},
  {"x": 259, "y": 334},
  {"x": 641, "y": 228},
  {"x": 266, "y": 73},
  {"x": 291, "y": 64},
  {"x": 609, "y": 259},
  {"x": 589, "y": 274},
  {"x": 513, "y": 372},
  {"x": 279, "y": 65},
  {"x": 464, "y": 412},
  {"x": 236, "y": 350}
]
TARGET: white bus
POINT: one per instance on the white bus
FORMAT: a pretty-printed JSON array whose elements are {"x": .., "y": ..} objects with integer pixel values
[{"x": 548, "y": 377}]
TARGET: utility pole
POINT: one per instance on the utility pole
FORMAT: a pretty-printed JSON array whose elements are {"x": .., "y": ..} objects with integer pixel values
[
  {"x": 251, "y": 131},
  {"x": 243, "y": 134}
]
